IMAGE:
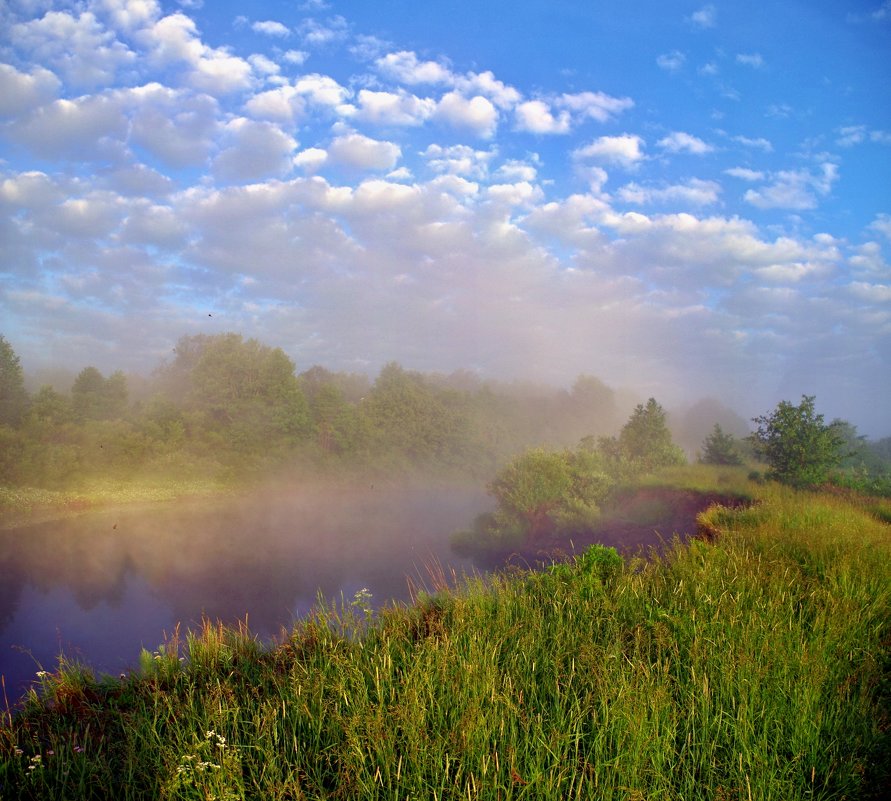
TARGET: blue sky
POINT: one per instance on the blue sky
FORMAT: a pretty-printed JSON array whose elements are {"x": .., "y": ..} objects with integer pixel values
[{"x": 682, "y": 198}]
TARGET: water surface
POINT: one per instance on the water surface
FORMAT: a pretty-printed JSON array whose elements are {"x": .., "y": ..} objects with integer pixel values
[{"x": 101, "y": 586}]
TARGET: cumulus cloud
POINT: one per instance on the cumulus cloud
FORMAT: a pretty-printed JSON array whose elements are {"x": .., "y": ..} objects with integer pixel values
[
  {"x": 459, "y": 160},
  {"x": 320, "y": 34},
  {"x": 271, "y": 27},
  {"x": 694, "y": 192},
  {"x": 798, "y": 190},
  {"x": 79, "y": 47},
  {"x": 21, "y": 92},
  {"x": 596, "y": 105},
  {"x": 680, "y": 142},
  {"x": 359, "y": 152},
  {"x": 625, "y": 150},
  {"x": 758, "y": 143},
  {"x": 475, "y": 114},
  {"x": 174, "y": 40},
  {"x": 253, "y": 151},
  {"x": 405, "y": 67},
  {"x": 393, "y": 108},
  {"x": 535, "y": 116},
  {"x": 745, "y": 174}
]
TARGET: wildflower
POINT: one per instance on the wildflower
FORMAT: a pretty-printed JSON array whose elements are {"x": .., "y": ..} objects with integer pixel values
[
  {"x": 42, "y": 674},
  {"x": 18, "y": 751}
]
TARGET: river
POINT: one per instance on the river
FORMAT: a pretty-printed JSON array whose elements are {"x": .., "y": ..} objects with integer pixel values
[{"x": 101, "y": 586}]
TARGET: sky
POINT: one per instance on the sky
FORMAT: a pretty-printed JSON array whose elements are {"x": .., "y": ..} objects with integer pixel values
[{"x": 686, "y": 199}]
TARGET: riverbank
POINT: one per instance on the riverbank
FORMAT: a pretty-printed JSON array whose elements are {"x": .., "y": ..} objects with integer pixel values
[{"x": 756, "y": 665}]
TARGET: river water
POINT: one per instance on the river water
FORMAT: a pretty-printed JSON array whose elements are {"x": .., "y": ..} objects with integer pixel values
[{"x": 101, "y": 586}]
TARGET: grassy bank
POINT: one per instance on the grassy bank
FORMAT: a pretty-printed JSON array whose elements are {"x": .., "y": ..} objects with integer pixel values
[{"x": 753, "y": 667}]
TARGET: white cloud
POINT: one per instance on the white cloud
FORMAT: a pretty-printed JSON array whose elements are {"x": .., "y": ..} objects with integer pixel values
[
  {"x": 694, "y": 192},
  {"x": 253, "y": 151},
  {"x": 389, "y": 108},
  {"x": 680, "y": 142},
  {"x": 517, "y": 171},
  {"x": 671, "y": 61},
  {"x": 359, "y": 152},
  {"x": 174, "y": 40},
  {"x": 596, "y": 105},
  {"x": 516, "y": 194},
  {"x": 271, "y": 28},
  {"x": 311, "y": 160},
  {"x": 758, "y": 143},
  {"x": 322, "y": 90},
  {"x": 754, "y": 60},
  {"x": 405, "y": 67},
  {"x": 459, "y": 160},
  {"x": 130, "y": 15},
  {"x": 79, "y": 48},
  {"x": 284, "y": 104},
  {"x": 476, "y": 114},
  {"x": 745, "y": 174},
  {"x": 486, "y": 84},
  {"x": 882, "y": 224},
  {"x": 799, "y": 190},
  {"x": 318, "y": 34},
  {"x": 625, "y": 150},
  {"x": 858, "y": 134},
  {"x": 297, "y": 57},
  {"x": 20, "y": 91},
  {"x": 176, "y": 127},
  {"x": 535, "y": 116},
  {"x": 705, "y": 17}
]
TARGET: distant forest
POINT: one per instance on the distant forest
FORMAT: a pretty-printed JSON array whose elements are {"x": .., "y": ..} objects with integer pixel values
[{"x": 232, "y": 409}]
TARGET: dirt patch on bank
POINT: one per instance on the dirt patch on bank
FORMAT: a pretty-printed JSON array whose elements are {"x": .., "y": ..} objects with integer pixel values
[{"x": 634, "y": 523}]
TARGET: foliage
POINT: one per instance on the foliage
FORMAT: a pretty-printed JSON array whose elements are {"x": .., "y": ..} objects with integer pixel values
[
  {"x": 720, "y": 448},
  {"x": 13, "y": 397},
  {"x": 798, "y": 446},
  {"x": 94, "y": 397},
  {"x": 644, "y": 444},
  {"x": 755, "y": 666}
]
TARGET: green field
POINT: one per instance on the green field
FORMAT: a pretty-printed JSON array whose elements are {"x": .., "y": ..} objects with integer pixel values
[{"x": 754, "y": 666}]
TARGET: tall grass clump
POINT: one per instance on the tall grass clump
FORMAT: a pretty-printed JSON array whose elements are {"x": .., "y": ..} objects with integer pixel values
[{"x": 751, "y": 666}]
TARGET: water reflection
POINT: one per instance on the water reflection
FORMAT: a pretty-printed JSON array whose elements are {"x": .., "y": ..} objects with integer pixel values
[{"x": 101, "y": 586}]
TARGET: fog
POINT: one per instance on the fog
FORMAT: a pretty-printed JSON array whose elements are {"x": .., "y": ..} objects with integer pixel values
[{"x": 100, "y": 586}]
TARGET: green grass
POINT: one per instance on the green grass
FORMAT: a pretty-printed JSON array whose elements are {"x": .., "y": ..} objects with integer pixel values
[
  {"x": 753, "y": 667},
  {"x": 20, "y": 505}
]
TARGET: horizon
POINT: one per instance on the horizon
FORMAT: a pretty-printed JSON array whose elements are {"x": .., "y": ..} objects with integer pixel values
[{"x": 689, "y": 201}]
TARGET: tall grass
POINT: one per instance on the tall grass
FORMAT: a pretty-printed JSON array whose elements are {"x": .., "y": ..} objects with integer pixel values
[{"x": 752, "y": 667}]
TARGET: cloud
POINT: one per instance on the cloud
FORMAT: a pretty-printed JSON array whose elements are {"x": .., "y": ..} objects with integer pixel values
[
  {"x": 882, "y": 224},
  {"x": 284, "y": 103},
  {"x": 858, "y": 134},
  {"x": 405, "y": 67},
  {"x": 694, "y": 192},
  {"x": 798, "y": 190},
  {"x": 475, "y": 114},
  {"x": 311, "y": 160},
  {"x": 21, "y": 92},
  {"x": 271, "y": 28},
  {"x": 758, "y": 143},
  {"x": 680, "y": 142},
  {"x": 458, "y": 160},
  {"x": 79, "y": 48},
  {"x": 253, "y": 151},
  {"x": 359, "y": 152},
  {"x": 745, "y": 174},
  {"x": 596, "y": 105},
  {"x": 174, "y": 40},
  {"x": 318, "y": 34},
  {"x": 705, "y": 17},
  {"x": 671, "y": 61},
  {"x": 393, "y": 108},
  {"x": 625, "y": 150},
  {"x": 535, "y": 116},
  {"x": 754, "y": 60}
]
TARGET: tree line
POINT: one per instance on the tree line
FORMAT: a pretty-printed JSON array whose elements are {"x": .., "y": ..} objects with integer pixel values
[{"x": 226, "y": 407}]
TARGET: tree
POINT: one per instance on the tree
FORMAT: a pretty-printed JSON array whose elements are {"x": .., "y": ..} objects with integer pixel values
[
  {"x": 644, "y": 444},
  {"x": 13, "y": 396},
  {"x": 94, "y": 397},
  {"x": 720, "y": 448},
  {"x": 798, "y": 446}
]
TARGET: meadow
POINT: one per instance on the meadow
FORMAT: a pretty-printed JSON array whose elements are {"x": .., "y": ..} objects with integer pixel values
[{"x": 751, "y": 664}]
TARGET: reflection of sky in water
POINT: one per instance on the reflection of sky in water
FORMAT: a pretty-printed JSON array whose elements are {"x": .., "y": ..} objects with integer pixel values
[{"x": 102, "y": 586}]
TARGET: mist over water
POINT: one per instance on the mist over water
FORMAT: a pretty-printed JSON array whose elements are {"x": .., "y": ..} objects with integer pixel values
[{"x": 101, "y": 586}]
